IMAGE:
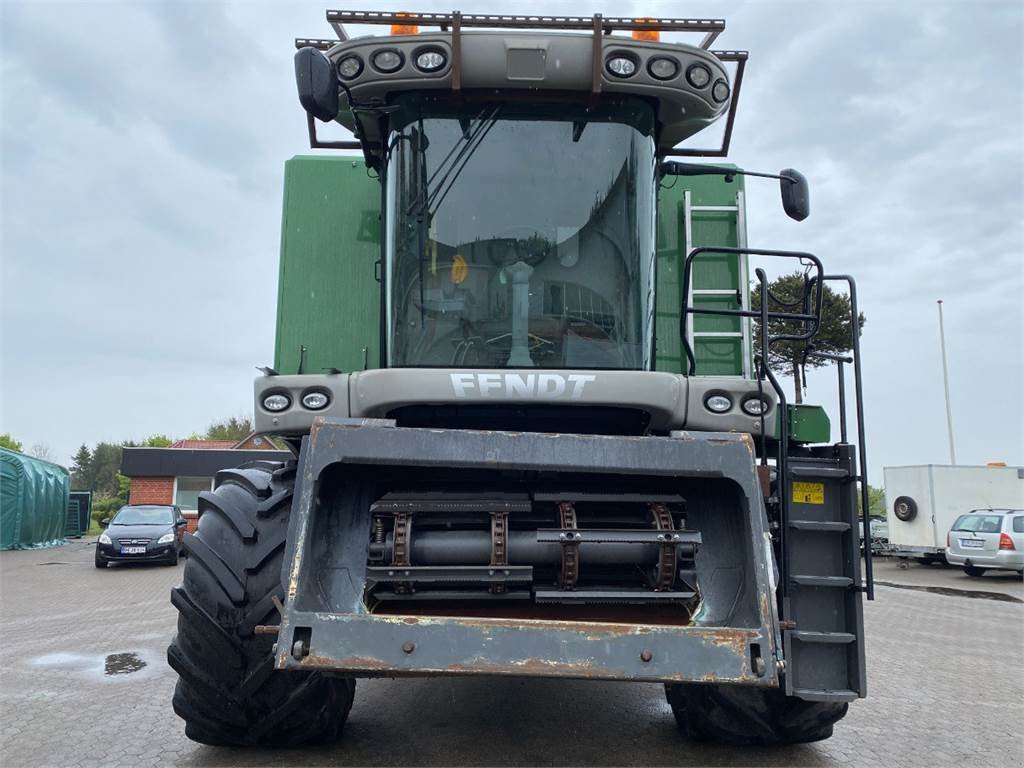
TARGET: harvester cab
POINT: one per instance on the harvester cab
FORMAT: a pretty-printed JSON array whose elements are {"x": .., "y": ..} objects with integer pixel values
[{"x": 536, "y": 433}]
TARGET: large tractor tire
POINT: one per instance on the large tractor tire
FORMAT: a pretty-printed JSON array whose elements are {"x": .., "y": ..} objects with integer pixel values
[
  {"x": 228, "y": 693},
  {"x": 733, "y": 714}
]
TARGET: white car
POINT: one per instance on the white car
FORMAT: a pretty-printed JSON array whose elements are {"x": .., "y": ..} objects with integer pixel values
[{"x": 987, "y": 539}]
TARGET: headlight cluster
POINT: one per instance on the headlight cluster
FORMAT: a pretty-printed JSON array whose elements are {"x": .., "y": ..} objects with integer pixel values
[
  {"x": 104, "y": 539},
  {"x": 312, "y": 400},
  {"x": 390, "y": 60},
  {"x": 721, "y": 402},
  {"x": 167, "y": 538},
  {"x": 623, "y": 64}
]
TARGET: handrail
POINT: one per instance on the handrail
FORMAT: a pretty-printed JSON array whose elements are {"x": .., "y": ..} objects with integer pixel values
[
  {"x": 858, "y": 394},
  {"x": 812, "y": 318}
]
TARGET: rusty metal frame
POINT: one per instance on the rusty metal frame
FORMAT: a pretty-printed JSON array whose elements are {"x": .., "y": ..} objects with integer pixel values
[
  {"x": 599, "y": 25},
  {"x": 349, "y": 638}
]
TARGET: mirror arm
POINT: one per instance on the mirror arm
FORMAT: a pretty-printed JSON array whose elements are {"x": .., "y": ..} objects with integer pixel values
[{"x": 675, "y": 168}]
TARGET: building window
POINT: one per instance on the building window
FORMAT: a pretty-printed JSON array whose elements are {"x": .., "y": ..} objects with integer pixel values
[{"x": 187, "y": 490}]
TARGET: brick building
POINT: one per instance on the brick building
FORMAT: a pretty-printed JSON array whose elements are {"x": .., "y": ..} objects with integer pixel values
[{"x": 179, "y": 473}]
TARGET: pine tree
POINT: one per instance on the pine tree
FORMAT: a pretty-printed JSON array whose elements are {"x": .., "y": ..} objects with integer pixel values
[{"x": 82, "y": 469}]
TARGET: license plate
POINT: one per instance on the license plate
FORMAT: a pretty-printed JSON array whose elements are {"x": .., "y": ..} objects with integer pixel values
[
  {"x": 972, "y": 543},
  {"x": 133, "y": 550}
]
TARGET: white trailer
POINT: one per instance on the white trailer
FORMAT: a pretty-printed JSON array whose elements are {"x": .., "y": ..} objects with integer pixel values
[{"x": 922, "y": 502}]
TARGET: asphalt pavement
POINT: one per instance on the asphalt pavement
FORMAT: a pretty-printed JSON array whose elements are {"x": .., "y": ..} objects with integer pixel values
[{"x": 84, "y": 682}]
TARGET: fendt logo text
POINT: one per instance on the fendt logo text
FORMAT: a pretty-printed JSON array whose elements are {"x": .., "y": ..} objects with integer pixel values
[{"x": 541, "y": 386}]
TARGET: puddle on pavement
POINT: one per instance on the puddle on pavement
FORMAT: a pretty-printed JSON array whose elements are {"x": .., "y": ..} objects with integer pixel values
[
  {"x": 111, "y": 667},
  {"x": 122, "y": 664}
]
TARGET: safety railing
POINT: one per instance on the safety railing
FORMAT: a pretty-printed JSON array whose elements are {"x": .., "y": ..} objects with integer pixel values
[{"x": 809, "y": 317}]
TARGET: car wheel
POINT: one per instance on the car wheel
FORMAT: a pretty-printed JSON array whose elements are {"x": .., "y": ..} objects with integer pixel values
[
  {"x": 173, "y": 561},
  {"x": 100, "y": 563},
  {"x": 973, "y": 570}
]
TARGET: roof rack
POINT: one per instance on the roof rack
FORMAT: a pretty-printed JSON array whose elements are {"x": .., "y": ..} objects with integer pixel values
[
  {"x": 600, "y": 25},
  {"x": 456, "y": 20}
]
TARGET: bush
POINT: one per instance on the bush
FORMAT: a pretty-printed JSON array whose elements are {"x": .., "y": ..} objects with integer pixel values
[{"x": 103, "y": 508}]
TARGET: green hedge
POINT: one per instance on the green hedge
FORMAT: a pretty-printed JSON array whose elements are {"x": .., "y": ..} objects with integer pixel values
[{"x": 104, "y": 508}]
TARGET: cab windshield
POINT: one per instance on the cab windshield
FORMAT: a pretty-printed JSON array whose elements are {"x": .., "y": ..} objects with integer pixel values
[{"x": 520, "y": 236}]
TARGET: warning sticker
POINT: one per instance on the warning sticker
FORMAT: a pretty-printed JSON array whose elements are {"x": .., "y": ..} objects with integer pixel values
[{"x": 809, "y": 493}]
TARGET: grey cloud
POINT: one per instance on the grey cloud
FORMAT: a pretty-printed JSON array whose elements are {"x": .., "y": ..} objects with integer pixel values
[{"x": 142, "y": 155}]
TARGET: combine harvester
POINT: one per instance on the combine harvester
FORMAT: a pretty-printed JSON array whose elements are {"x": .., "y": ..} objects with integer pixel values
[{"x": 535, "y": 433}]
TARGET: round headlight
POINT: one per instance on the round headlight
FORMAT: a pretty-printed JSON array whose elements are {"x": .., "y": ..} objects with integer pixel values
[
  {"x": 621, "y": 66},
  {"x": 430, "y": 61},
  {"x": 717, "y": 403},
  {"x": 698, "y": 75},
  {"x": 315, "y": 400},
  {"x": 755, "y": 406},
  {"x": 720, "y": 91},
  {"x": 350, "y": 67},
  {"x": 662, "y": 68},
  {"x": 276, "y": 402},
  {"x": 387, "y": 61}
]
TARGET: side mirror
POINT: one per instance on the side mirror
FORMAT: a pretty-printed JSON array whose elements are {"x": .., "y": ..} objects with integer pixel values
[
  {"x": 179, "y": 523},
  {"x": 105, "y": 521},
  {"x": 317, "y": 84},
  {"x": 796, "y": 197}
]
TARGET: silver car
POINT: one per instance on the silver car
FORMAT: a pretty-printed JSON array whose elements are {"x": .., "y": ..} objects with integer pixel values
[{"x": 987, "y": 539}]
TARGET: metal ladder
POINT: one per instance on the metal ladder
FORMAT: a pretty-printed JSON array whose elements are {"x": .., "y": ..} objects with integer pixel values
[{"x": 742, "y": 290}]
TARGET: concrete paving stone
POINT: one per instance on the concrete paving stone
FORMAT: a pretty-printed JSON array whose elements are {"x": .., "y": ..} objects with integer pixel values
[{"x": 946, "y": 687}]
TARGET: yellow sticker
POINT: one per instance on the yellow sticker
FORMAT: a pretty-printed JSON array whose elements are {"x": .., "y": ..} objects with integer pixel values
[
  {"x": 809, "y": 493},
  {"x": 460, "y": 269}
]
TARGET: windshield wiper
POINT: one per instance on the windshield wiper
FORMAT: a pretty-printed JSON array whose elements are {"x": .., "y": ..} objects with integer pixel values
[
  {"x": 432, "y": 195},
  {"x": 471, "y": 146}
]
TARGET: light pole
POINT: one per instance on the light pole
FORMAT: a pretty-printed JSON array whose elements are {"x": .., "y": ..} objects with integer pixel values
[{"x": 945, "y": 384}]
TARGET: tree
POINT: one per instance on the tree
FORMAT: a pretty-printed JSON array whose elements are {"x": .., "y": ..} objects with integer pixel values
[
  {"x": 124, "y": 487},
  {"x": 835, "y": 336},
  {"x": 8, "y": 442},
  {"x": 106, "y": 463},
  {"x": 234, "y": 428},
  {"x": 81, "y": 469},
  {"x": 156, "y": 441},
  {"x": 876, "y": 502},
  {"x": 42, "y": 451}
]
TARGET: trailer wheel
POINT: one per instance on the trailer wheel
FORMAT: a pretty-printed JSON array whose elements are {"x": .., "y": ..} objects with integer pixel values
[
  {"x": 905, "y": 508},
  {"x": 734, "y": 714},
  {"x": 228, "y": 693}
]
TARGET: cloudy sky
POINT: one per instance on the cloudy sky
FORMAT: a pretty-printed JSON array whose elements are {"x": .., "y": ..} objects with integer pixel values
[{"x": 142, "y": 155}]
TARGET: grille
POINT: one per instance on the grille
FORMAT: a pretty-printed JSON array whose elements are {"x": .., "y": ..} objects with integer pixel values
[{"x": 133, "y": 542}]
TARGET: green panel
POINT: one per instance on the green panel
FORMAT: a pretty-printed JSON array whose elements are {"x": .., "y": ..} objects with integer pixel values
[
  {"x": 33, "y": 501},
  {"x": 809, "y": 424},
  {"x": 328, "y": 295},
  {"x": 718, "y": 356}
]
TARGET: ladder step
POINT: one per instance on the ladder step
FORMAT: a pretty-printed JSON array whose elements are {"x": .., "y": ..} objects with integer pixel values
[
  {"x": 822, "y": 472},
  {"x": 819, "y": 525},
  {"x": 822, "y": 581},
  {"x": 713, "y": 334},
  {"x": 713, "y": 208},
  {"x": 823, "y": 637}
]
